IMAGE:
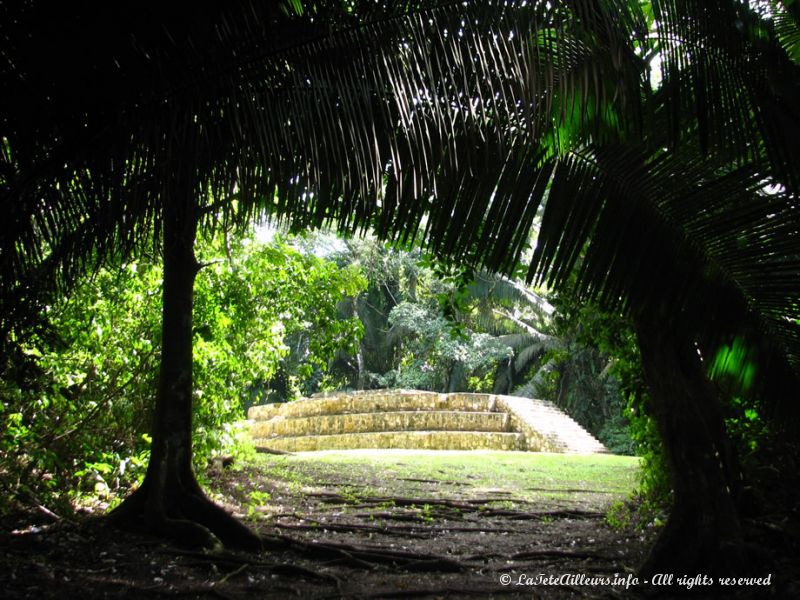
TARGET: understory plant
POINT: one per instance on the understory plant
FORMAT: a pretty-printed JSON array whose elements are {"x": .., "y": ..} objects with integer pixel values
[{"x": 76, "y": 394}]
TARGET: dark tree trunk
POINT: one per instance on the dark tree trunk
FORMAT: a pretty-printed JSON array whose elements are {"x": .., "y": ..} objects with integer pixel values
[
  {"x": 456, "y": 378},
  {"x": 361, "y": 375},
  {"x": 703, "y": 532},
  {"x": 170, "y": 502}
]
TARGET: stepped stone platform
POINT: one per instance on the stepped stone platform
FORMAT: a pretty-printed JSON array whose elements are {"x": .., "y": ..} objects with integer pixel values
[{"x": 418, "y": 419}]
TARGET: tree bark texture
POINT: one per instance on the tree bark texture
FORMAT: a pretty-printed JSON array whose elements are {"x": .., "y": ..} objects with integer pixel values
[
  {"x": 170, "y": 501},
  {"x": 703, "y": 532}
]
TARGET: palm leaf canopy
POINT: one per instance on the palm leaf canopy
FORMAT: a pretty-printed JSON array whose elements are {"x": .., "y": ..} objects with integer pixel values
[
  {"x": 448, "y": 122},
  {"x": 697, "y": 223},
  {"x": 434, "y": 110}
]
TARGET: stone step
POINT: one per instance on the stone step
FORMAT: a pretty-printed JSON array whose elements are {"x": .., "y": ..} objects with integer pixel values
[
  {"x": 397, "y": 413},
  {"x": 422, "y": 420},
  {"x": 546, "y": 428},
  {"x": 375, "y": 401},
  {"x": 423, "y": 440}
]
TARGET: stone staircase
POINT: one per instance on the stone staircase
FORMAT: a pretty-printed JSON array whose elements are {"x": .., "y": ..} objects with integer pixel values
[{"x": 419, "y": 420}]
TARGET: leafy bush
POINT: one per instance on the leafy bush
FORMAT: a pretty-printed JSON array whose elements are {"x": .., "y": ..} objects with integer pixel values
[
  {"x": 75, "y": 418},
  {"x": 75, "y": 405}
]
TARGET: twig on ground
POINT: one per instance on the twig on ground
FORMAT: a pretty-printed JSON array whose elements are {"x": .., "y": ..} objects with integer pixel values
[
  {"x": 396, "y": 516},
  {"x": 436, "y": 481},
  {"x": 233, "y": 573},
  {"x": 516, "y": 515},
  {"x": 569, "y": 490}
]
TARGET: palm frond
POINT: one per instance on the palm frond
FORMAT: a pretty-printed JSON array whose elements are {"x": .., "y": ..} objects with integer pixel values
[
  {"x": 528, "y": 347},
  {"x": 715, "y": 251},
  {"x": 434, "y": 111},
  {"x": 446, "y": 122},
  {"x": 786, "y": 14},
  {"x": 727, "y": 85},
  {"x": 486, "y": 284}
]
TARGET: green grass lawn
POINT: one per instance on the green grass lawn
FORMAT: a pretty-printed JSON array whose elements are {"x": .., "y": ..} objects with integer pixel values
[{"x": 528, "y": 476}]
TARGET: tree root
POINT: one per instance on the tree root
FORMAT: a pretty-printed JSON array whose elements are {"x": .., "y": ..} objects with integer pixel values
[
  {"x": 686, "y": 545},
  {"x": 353, "y": 527},
  {"x": 194, "y": 521},
  {"x": 569, "y": 490},
  {"x": 398, "y": 516},
  {"x": 243, "y": 562},
  {"x": 434, "y": 481},
  {"x": 560, "y": 554},
  {"x": 468, "y": 505},
  {"x": 516, "y": 515},
  {"x": 422, "y": 530},
  {"x": 367, "y": 557},
  {"x": 448, "y": 592},
  {"x": 334, "y": 498}
]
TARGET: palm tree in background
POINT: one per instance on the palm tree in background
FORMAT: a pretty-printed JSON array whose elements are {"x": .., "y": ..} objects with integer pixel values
[
  {"x": 518, "y": 317},
  {"x": 675, "y": 200}
]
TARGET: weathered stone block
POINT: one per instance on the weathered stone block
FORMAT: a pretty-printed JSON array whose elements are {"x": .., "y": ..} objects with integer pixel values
[
  {"x": 419, "y": 419},
  {"x": 422, "y": 420},
  {"x": 426, "y": 440}
]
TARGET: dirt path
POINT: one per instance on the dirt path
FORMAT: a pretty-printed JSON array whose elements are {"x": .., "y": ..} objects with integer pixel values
[{"x": 365, "y": 525}]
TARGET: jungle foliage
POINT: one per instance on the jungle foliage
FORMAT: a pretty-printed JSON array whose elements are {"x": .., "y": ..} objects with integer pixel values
[
  {"x": 436, "y": 327},
  {"x": 76, "y": 404},
  {"x": 277, "y": 320}
]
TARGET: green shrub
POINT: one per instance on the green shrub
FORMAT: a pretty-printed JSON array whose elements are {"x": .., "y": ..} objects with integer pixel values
[{"x": 76, "y": 405}]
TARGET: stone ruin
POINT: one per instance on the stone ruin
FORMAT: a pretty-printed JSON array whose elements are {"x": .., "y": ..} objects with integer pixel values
[{"x": 413, "y": 419}]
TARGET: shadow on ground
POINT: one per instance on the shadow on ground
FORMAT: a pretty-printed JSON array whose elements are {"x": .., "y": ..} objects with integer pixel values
[{"x": 367, "y": 524}]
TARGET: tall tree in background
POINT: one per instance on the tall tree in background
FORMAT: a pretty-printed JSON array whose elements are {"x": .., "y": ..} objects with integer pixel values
[{"x": 130, "y": 125}]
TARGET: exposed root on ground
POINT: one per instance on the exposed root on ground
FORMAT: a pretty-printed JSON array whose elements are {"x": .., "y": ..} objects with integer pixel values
[
  {"x": 193, "y": 519},
  {"x": 365, "y": 556}
]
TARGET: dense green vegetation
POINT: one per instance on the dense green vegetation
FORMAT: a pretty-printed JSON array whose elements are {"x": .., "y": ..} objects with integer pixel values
[
  {"x": 277, "y": 320},
  {"x": 293, "y": 316},
  {"x": 77, "y": 403},
  {"x": 446, "y": 330}
]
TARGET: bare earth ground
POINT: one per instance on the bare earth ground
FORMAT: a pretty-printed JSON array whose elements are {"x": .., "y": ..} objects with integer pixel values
[
  {"x": 365, "y": 524},
  {"x": 370, "y": 524},
  {"x": 361, "y": 524}
]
